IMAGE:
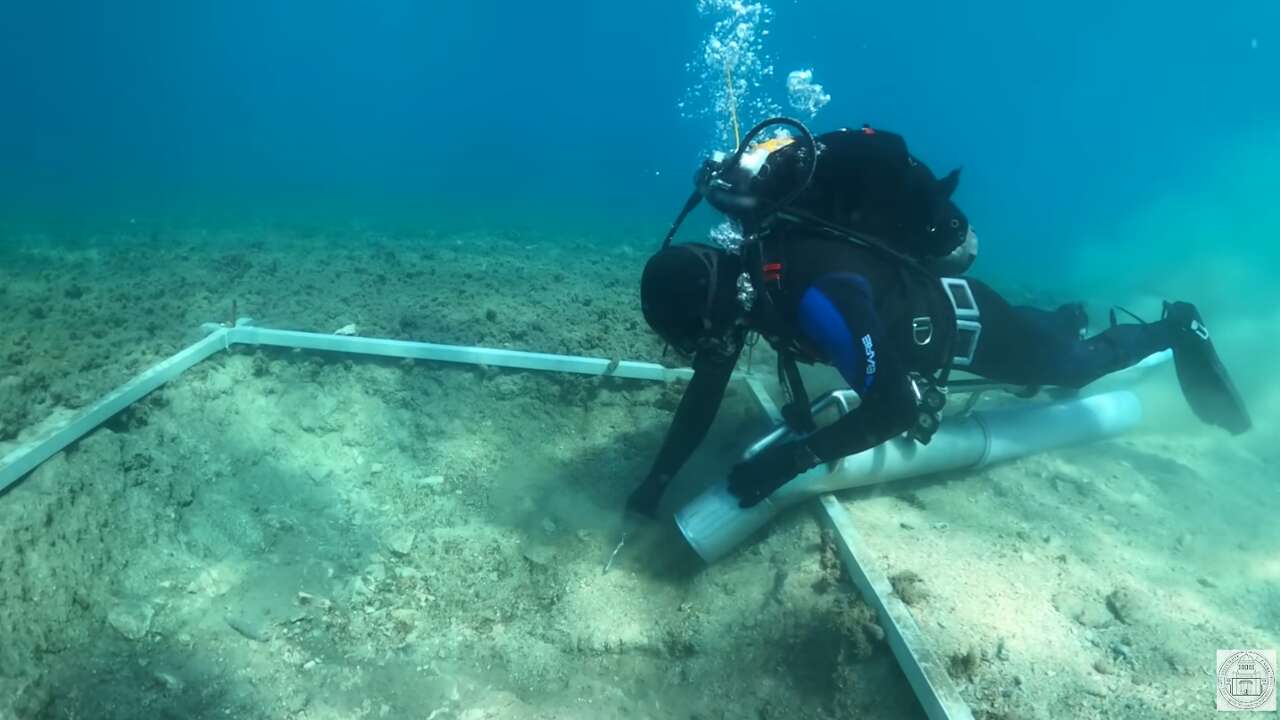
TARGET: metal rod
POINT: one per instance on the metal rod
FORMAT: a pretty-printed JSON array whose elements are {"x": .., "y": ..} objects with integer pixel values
[
  {"x": 456, "y": 354},
  {"x": 925, "y": 671},
  {"x": 938, "y": 695},
  {"x": 31, "y": 455}
]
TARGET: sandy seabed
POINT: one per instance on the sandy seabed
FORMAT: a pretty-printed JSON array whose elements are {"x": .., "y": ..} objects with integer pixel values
[{"x": 285, "y": 534}]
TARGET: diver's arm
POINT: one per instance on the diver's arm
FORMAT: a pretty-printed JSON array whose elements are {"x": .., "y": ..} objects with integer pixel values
[
  {"x": 886, "y": 412},
  {"x": 837, "y": 316},
  {"x": 702, "y": 397}
]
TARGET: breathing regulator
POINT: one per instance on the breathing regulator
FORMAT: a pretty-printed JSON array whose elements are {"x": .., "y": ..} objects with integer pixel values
[{"x": 745, "y": 185}]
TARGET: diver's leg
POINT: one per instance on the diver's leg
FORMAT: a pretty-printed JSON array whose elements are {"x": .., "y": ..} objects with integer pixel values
[{"x": 1026, "y": 346}]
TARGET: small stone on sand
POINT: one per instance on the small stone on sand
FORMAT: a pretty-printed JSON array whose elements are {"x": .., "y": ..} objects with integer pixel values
[
  {"x": 169, "y": 681},
  {"x": 247, "y": 627},
  {"x": 400, "y": 542},
  {"x": 539, "y": 554},
  {"x": 431, "y": 481},
  {"x": 132, "y": 620}
]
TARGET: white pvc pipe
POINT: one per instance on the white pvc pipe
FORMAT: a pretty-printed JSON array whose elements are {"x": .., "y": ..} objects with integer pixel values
[
  {"x": 249, "y": 335},
  {"x": 30, "y": 455},
  {"x": 714, "y": 524}
]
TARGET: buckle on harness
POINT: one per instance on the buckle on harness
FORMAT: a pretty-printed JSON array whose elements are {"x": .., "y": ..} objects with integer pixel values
[
  {"x": 922, "y": 330},
  {"x": 968, "y": 320},
  {"x": 746, "y": 292},
  {"x": 966, "y": 342},
  {"x": 931, "y": 398}
]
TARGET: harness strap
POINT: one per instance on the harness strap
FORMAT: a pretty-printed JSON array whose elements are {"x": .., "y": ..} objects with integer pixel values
[
  {"x": 796, "y": 413},
  {"x": 766, "y": 272}
]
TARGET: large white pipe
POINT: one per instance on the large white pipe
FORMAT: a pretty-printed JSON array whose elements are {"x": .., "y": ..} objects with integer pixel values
[{"x": 714, "y": 524}]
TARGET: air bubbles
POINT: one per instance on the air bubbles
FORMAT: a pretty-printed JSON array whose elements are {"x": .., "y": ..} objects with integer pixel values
[
  {"x": 732, "y": 65},
  {"x": 727, "y": 235},
  {"x": 804, "y": 94}
]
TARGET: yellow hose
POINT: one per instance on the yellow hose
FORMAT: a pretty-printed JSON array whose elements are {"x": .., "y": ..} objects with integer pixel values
[{"x": 733, "y": 105}]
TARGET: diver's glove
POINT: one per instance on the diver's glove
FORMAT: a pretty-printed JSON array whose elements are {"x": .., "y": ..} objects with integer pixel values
[
  {"x": 644, "y": 500},
  {"x": 755, "y": 479}
]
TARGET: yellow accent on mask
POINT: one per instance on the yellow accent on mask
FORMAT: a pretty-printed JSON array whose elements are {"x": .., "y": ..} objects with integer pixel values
[{"x": 773, "y": 144}]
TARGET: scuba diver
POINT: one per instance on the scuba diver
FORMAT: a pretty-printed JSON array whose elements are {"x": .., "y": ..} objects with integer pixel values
[{"x": 853, "y": 254}]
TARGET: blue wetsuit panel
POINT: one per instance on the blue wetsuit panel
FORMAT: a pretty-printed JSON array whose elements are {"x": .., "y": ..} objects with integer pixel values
[{"x": 838, "y": 318}]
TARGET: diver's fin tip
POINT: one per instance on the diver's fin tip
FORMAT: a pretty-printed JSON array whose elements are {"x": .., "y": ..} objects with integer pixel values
[
  {"x": 947, "y": 185},
  {"x": 1205, "y": 382}
]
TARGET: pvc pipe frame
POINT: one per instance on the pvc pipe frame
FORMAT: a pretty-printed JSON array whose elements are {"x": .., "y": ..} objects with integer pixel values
[
  {"x": 924, "y": 669},
  {"x": 30, "y": 455},
  {"x": 937, "y": 694}
]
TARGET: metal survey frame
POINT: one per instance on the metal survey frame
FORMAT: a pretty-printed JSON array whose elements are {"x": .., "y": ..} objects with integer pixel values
[
  {"x": 30, "y": 455},
  {"x": 925, "y": 671},
  {"x": 936, "y": 692}
]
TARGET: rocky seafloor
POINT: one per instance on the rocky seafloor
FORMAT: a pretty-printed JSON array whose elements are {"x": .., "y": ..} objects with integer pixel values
[{"x": 283, "y": 534}]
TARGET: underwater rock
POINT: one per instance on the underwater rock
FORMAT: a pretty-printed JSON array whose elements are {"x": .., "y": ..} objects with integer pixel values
[
  {"x": 1094, "y": 686},
  {"x": 1002, "y": 650},
  {"x": 24, "y": 696},
  {"x": 400, "y": 542},
  {"x": 430, "y": 481},
  {"x": 909, "y": 588},
  {"x": 404, "y": 620},
  {"x": 1126, "y": 605},
  {"x": 247, "y": 627},
  {"x": 539, "y": 554},
  {"x": 168, "y": 681},
  {"x": 854, "y": 630},
  {"x": 829, "y": 561},
  {"x": 183, "y": 491},
  {"x": 297, "y": 702},
  {"x": 1085, "y": 612},
  {"x": 964, "y": 666},
  {"x": 132, "y": 620},
  {"x": 498, "y": 705}
]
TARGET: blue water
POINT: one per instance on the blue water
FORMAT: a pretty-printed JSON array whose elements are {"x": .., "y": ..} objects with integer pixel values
[
  {"x": 1068, "y": 119},
  {"x": 1114, "y": 151}
]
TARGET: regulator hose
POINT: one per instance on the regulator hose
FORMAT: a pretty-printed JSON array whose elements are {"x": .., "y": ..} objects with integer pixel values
[
  {"x": 808, "y": 171},
  {"x": 809, "y": 143}
]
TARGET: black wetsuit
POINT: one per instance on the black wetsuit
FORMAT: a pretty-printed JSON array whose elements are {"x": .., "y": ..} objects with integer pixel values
[{"x": 851, "y": 307}]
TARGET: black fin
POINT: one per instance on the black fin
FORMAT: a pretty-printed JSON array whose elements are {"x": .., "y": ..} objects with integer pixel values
[
  {"x": 947, "y": 185},
  {"x": 1207, "y": 386}
]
